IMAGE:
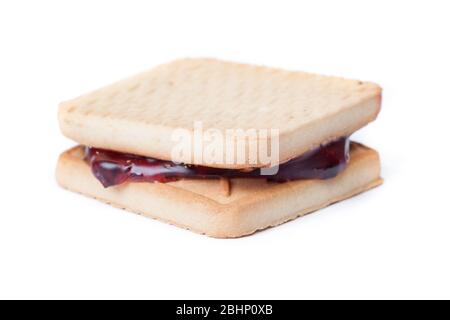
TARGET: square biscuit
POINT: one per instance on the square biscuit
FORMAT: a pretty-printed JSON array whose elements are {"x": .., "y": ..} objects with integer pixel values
[
  {"x": 139, "y": 115},
  {"x": 201, "y": 206}
]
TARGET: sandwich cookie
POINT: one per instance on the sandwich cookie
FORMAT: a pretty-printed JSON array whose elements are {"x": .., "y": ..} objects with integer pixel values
[{"x": 126, "y": 156}]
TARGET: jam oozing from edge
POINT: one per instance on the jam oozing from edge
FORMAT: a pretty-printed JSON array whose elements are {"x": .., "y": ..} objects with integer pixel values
[{"x": 113, "y": 168}]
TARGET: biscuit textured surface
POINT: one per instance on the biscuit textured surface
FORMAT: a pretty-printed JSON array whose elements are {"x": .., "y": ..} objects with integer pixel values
[
  {"x": 201, "y": 205},
  {"x": 139, "y": 115}
]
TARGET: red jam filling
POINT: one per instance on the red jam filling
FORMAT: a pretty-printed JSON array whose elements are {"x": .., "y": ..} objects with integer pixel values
[{"x": 113, "y": 168}]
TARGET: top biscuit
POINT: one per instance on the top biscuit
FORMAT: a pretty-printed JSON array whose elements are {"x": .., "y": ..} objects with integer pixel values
[{"x": 139, "y": 115}]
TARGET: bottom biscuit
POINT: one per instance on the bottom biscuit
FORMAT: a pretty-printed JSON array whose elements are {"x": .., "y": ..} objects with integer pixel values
[{"x": 203, "y": 207}]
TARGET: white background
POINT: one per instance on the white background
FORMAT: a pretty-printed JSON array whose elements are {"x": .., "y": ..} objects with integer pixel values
[{"x": 391, "y": 242}]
